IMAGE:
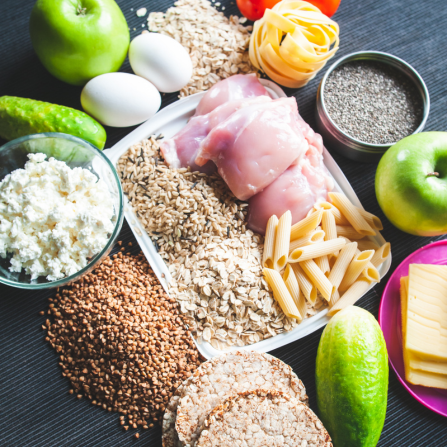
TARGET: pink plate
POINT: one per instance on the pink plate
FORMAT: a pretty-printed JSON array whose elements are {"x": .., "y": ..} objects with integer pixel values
[{"x": 390, "y": 322}]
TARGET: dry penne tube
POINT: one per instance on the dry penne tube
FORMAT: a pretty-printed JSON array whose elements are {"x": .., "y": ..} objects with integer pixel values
[
  {"x": 281, "y": 293},
  {"x": 294, "y": 289},
  {"x": 338, "y": 216},
  {"x": 269, "y": 242},
  {"x": 316, "y": 250},
  {"x": 348, "y": 232},
  {"x": 318, "y": 278},
  {"x": 306, "y": 286},
  {"x": 328, "y": 225},
  {"x": 282, "y": 241},
  {"x": 357, "y": 265},
  {"x": 323, "y": 264},
  {"x": 350, "y": 297},
  {"x": 334, "y": 298},
  {"x": 313, "y": 237},
  {"x": 367, "y": 244},
  {"x": 381, "y": 254},
  {"x": 342, "y": 263},
  {"x": 372, "y": 219},
  {"x": 351, "y": 213},
  {"x": 370, "y": 272},
  {"x": 306, "y": 225}
]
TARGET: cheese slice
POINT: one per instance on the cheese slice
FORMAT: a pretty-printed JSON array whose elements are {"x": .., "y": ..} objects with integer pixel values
[
  {"x": 426, "y": 312},
  {"x": 427, "y": 379}
]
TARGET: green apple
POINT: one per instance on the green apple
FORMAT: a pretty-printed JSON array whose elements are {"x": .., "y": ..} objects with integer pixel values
[
  {"x": 77, "y": 40},
  {"x": 411, "y": 184}
]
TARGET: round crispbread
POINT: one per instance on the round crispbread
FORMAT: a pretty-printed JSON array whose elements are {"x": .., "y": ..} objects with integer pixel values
[
  {"x": 262, "y": 418},
  {"x": 225, "y": 375}
]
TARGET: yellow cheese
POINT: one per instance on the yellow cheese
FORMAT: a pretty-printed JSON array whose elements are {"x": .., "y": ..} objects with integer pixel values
[
  {"x": 426, "y": 378},
  {"x": 426, "y": 312}
]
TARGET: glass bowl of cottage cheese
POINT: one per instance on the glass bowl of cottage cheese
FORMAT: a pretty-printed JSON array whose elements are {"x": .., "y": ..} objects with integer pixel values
[{"x": 61, "y": 210}]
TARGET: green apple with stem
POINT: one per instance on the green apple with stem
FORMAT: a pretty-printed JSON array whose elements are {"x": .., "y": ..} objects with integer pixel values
[
  {"x": 77, "y": 40},
  {"x": 411, "y": 184}
]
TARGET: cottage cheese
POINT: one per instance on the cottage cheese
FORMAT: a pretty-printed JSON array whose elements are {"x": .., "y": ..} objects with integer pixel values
[{"x": 53, "y": 218}]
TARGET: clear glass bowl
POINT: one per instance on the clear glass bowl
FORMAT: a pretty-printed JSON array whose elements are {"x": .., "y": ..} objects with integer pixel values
[{"x": 76, "y": 153}]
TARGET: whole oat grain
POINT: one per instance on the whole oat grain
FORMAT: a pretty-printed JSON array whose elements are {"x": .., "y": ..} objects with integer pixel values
[
  {"x": 224, "y": 376},
  {"x": 121, "y": 340},
  {"x": 263, "y": 418},
  {"x": 218, "y": 45}
]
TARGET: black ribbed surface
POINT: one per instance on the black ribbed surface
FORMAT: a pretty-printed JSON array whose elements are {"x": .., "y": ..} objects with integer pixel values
[{"x": 35, "y": 407}]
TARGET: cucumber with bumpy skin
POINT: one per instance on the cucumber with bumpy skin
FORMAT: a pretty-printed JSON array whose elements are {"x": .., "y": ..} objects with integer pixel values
[{"x": 22, "y": 116}]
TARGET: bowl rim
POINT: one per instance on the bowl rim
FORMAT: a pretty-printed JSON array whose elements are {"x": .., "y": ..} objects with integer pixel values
[
  {"x": 384, "y": 58},
  {"x": 118, "y": 224}
]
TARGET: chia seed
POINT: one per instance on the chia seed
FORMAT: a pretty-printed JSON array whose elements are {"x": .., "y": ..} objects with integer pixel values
[{"x": 373, "y": 102}]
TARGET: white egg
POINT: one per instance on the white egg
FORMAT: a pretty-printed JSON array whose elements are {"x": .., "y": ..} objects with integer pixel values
[
  {"x": 161, "y": 60},
  {"x": 120, "y": 99}
]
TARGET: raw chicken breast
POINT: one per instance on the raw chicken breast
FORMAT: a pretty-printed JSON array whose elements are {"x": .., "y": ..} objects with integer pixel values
[
  {"x": 297, "y": 190},
  {"x": 255, "y": 145},
  {"x": 235, "y": 87},
  {"x": 181, "y": 150}
]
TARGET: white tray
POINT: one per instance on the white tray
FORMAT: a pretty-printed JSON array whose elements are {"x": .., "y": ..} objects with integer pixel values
[{"x": 168, "y": 122}]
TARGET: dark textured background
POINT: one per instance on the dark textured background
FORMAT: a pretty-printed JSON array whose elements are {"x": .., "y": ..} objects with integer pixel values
[{"x": 35, "y": 407}]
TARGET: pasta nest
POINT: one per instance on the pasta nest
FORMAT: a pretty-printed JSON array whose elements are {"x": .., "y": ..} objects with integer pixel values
[{"x": 292, "y": 42}]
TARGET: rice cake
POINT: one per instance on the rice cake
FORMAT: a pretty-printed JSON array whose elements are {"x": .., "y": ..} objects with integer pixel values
[
  {"x": 225, "y": 375},
  {"x": 262, "y": 418}
]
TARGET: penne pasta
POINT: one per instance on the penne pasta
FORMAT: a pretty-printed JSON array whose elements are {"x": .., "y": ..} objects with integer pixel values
[
  {"x": 357, "y": 265},
  {"x": 348, "y": 232},
  {"x": 294, "y": 289},
  {"x": 306, "y": 286},
  {"x": 334, "y": 298},
  {"x": 370, "y": 272},
  {"x": 381, "y": 254},
  {"x": 313, "y": 237},
  {"x": 367, "y": 244},
  {"x": 318, "y": 278},
  {"x": 269, "y": 242},
  {"x": 351, "y": 213},
  {"x": 306, "y": 225},
  {"x": 342, "y": 263},
  {"x": 323, "y": 264},
  {"x": 281, "y": 293},
  {"x": 351, "y": 296},
  {"x": 328, "y": 226},
  {"x": 316, "y": 250},
  {"x": 373, "y": 221},
  {"x": 282, "y": 241},
  {"x": 338, "y": 216}
]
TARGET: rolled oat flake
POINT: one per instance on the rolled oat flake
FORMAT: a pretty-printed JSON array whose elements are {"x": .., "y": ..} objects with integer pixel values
[{"x": 373, "y": 102}]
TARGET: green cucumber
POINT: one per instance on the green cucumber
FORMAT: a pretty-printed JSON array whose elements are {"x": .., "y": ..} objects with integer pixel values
[
  {"x": 22, "y": 116},
  {"x": 352, "y": 378}
]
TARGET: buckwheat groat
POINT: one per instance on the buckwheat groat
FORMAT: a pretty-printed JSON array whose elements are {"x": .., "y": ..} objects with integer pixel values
[
  {"x": 224, "y": 376},
  {"x": 262, "y": 418}
]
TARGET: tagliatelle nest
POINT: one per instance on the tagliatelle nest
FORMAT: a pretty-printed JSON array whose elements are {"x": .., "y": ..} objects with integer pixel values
[{"x": 292, "y": 42}]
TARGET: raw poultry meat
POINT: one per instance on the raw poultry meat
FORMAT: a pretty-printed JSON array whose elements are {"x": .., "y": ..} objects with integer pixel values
[
  {"x": 235, "y": 87},
  {"x": 297, "y": 190},
  {"x": 255, "y": 145},
  {"x": 181, "y": 150}
]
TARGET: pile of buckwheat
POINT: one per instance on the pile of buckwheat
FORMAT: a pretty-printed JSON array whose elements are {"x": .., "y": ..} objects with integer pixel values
[{"x": 121, "y": 340}]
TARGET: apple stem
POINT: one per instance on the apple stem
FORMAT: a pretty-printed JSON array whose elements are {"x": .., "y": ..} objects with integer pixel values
[
  {"x": 433, "y": 174},
  {"x": 81, "y": 10}
]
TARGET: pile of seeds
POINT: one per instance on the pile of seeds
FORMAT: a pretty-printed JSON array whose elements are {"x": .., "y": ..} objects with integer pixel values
[
  {"x": 121, "y": 340},
  {"x": 373, "y": 102},
  {"x": 198, "y": 227},
  {"x": 218, "y": 46}
]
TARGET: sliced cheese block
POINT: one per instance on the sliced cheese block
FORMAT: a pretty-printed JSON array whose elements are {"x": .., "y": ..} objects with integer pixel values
[
  {"x": 417, "y": 363},
  {"x": 426, "y": 312},
  {"x": 424, "y": 378}
]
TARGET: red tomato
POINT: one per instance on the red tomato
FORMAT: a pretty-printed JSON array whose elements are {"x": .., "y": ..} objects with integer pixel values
[{"x": 254, "y": 9}]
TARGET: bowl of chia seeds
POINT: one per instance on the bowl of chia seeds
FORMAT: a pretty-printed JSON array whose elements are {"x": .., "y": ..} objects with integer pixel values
[{"x": 368, "y": 101}]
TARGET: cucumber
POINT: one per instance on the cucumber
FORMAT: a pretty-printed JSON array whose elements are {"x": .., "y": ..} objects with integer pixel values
[
  {"x": 22, "y": 116},
  {"x": 352, "y": 378}
]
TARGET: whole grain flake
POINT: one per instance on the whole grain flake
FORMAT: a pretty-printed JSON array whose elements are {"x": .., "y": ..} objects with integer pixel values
[{"x": 218, "y": 45}]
